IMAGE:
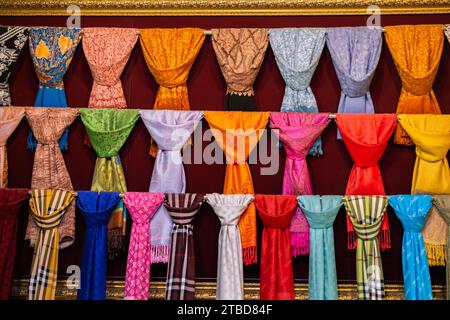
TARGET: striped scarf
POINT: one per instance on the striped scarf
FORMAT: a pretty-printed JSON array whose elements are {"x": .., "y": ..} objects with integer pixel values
[
  {"x": 181, "y": 270},
  {"x": 47, "y": 209},
  {"x": 366, "y": 214}
]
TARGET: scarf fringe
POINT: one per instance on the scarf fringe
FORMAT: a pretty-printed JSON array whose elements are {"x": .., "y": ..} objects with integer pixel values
[
  {"x": 249, "y": 255},
  {"x": 115, "y": 242},
  {"x": 384, "y": 239},
  {"x": 435, "y": 254},
  {"x": 160, "y": 253},
  {"x": 299, "y": 243}
]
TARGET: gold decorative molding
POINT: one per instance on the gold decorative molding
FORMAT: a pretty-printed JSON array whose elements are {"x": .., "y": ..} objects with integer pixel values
[
  {"x": 220, "y": 7},
  {"x": 207, "y": 291}
]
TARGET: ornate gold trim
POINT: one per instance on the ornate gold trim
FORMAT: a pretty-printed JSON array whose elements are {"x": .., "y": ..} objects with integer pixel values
[
  {"x": 220, "y": 7},
  {"x": 207, "y": 290}
]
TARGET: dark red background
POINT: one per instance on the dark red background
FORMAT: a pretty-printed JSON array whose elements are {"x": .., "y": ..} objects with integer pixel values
[{"x": 329, "y": 172}]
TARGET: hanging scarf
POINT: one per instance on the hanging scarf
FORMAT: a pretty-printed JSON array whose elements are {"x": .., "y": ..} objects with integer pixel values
[
  {"x": 52, "y": 50},
  {"x": 240, "y": 53},
  {"x": 431, "y": 135},
  {"x": 231, "y": 130},
  {"x": 276, "y": 277},
  {"x": 96, "y": 209},
  {"x": 142, "y": 207},
  {"x": 442, "y": 203},
  {"x": 49, "y": 168},
  {"x": 47, "y": 209},
  {"x": 108, "y": 129},
  {"x": 11, "y": 201},
  {"x": 180, "y": 282},
  {"x": 321, "y": 213},
  {"x": 412, "y": 211},
  {"x": 230, "y": 271},
  {"x": 416, "y": 51},
  {"x": 12, "y": 40},
  {"x": 298, "y": 131},
  {"x": 297, "y": 53},
  {"x": 366, "y": 213},
  {"x": 170, "y": 129},
  {"x": 366, "y": 137},
  {"x": 10, "y": 118}
]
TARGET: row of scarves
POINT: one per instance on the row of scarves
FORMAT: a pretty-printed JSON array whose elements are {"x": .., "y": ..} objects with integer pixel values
[
  {"x": 170, "y": 53},
  {"x": 48, "y": 208}
]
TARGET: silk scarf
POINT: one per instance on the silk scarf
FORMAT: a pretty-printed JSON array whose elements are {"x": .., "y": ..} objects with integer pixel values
[
  {"x": 142, "y": 207},
  {"x": 442, "y": 203},
  {"x": 237, "y": 134},
  {"x": 321, "y": 213},
  {"x": 47, "y": 209},
  {"x": 230, "y": 271},
  {"x": 276, "y": 277}
]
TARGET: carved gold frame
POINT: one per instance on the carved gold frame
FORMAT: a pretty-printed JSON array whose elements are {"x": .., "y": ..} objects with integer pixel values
[{"x": 220, "y": 7}]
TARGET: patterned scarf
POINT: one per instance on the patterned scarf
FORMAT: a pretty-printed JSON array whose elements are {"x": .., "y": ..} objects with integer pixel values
[
  {"x": 108, "y": 129},
  {"x": 180, "y": 283},
  {"x": 142, "y": 207},
  {"x": 47, "y": 209},
  {"x": 417, "y": 51},
  {"x": 231, "y": 130},
  {"x": 230, "y": 271},
  {"x": 298, "y": 131},
  {"x": 442, "y": 203},
  {"x": 96, "y": 209},
  {"x": 12, "y": 40},
  {"x": 366, "y": 213},
  {"x": 297, "y": 53}
]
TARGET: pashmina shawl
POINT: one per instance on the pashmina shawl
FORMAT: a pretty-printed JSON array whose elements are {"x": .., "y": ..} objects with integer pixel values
[
  {"x": 366, "y": 213},
  {"x": 11, "y": 201},
  {"x": 47, "y": 209},
  {"x": 12, "y": 40},
  {"x": 240, "y": 53},
  {"x": 431, "y": 135},
  {"x": 276, "y": 277},
  {"x": 321, "y": 213},
  {"x": 297, "y": 53},
  {"x": 230, "y": 271},
  {"x": 96, "y": 208},
  {"x": 180, "y": 282},
  {"x": 52, "y": 50},
  {"x": 10, "y": 118},
  {"x": 237, "y": 133},
  {"x": 49, "y": 168},
  {"x": 412, "y": 211},
  {"x": 366, "y": 137},
  {"x": 442, "y": 203},
  {"x": 108, "y": 129},
  {"x": 142, "y": 206},
  {"x": 170, "y": 129},
  {"x": 298, "y": 131},
  {"x": 416, "y": 51}
]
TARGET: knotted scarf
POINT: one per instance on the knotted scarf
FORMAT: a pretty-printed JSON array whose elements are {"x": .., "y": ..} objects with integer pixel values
[
  {"x": 276, "y": 277},
  {"x": 182, "y": 208},
  {"x": 366, "y": 137},
  {"x": 230, "y": 271},
  {"x": 240, "y": 53},
  {"x": 442, "y": 203},
  {"x": 11, "y": 201},
  {"x": 321, "y": 213},
  {"x": 416, "y": 51},
  {"x": 47, "y": 209},
  {"x": 108, "y": 129},
  {"x": 49, "y": 168},
  {"x": 142, "y": 207},
  {"x": 52, "y": 50},
  {"x": 366, "y": 213},
  {"x": 12, "y": 40},
  {"x": 237, "y": 134},
  {"x": 297, "y": 53},
  {"x": 96, "y": 208},
  {"x": 412, "y": 211},
  {"x": 170, "y": 129},
  {"x": 431, "y": 135}
]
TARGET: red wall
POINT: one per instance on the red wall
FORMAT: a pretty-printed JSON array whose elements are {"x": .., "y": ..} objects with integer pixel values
[{"x": 329, "y": 172}]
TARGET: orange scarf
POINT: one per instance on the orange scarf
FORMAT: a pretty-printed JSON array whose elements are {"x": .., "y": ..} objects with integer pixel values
[
  {"x": 240, "y": 127},
  {"x": 416, "y": 51}
]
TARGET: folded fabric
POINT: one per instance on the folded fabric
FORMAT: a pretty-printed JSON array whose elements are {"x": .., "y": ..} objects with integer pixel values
[{"x": 442, "y": 203}]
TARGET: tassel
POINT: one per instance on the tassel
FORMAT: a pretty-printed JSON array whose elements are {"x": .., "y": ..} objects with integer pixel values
[
  {"x": 160, "y": 253},
  {"x": 249, "y": 255},
  {"x": 436, "y": 254},
  {"x": 384, "y": 237},
  {"x": 299, "y": 243},
  {"x": 351, "y": 235}
]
